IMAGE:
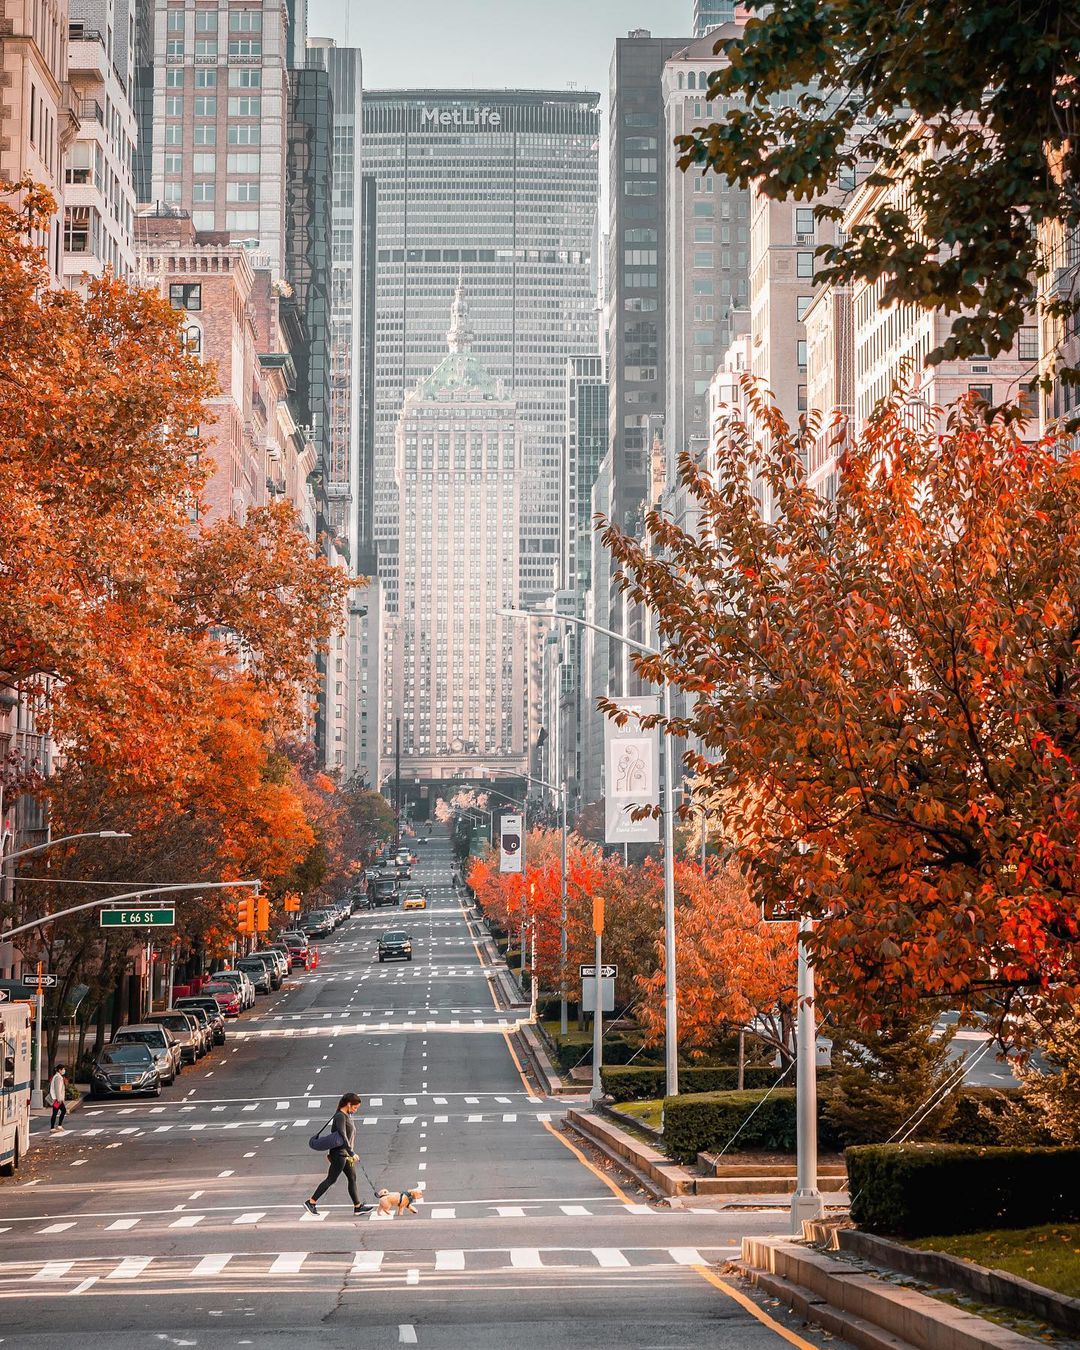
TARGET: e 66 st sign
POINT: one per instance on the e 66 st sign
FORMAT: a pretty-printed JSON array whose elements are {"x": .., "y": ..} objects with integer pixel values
[{"x": 137, "y": 918}]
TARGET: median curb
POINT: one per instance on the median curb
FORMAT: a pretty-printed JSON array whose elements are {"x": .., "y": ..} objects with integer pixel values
[
  {"x": 851, "y": 1299},
  {"x": 656, "y": 1173}
]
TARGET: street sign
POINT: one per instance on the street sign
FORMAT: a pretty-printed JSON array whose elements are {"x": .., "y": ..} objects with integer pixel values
[
  {"x": 784, "y": 912},
  {"x": 3, "y": 995},
  {"x": 137, "y": 918},
  {"x": 47, "y": 981},
  {"x": 607, "y": 995},
  {"x": 606, "y": 972}
]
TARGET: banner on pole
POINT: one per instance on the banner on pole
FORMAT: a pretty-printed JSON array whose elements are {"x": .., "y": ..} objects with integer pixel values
[
  {"x": 631, "y": 774},
  {"x": 512, "y": 843}
]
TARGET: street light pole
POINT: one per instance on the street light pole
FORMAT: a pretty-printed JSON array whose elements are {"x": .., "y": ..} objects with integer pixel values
[
  {"x": 807, "y": 1202},
  {"x": 66, "y": 839},
  {"x": 562, "y": 927},
  {"x": 671, "y": 1021}
]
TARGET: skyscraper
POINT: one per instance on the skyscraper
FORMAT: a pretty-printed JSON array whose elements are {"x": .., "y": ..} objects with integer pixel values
[
  {"x": 220, "y": 90},
  {"x": 497, "y": 189},
  {"x": 458, "y": 668},
  {"x": 710, "y": 14}
]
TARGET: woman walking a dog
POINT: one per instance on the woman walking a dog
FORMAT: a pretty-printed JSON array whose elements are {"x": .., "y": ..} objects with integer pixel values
[{"x": 343, "y": 1158}]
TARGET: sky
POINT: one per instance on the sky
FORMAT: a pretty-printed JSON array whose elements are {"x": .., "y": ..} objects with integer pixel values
[{"x": 500, "y": 44}]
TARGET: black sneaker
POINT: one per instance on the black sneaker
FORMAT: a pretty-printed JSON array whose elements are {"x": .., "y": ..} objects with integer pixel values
[
  {"x": 310, "y": 1206},
  {"x": 363, "y": 1209}
]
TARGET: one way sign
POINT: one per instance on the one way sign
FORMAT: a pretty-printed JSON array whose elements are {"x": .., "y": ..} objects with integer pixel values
[
  {"x": 606, "y": 972},
  {"x": 47, "y": 981}
]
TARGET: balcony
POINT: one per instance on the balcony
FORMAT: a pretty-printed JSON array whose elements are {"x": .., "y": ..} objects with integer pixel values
[{"x": 90, "y": 110}]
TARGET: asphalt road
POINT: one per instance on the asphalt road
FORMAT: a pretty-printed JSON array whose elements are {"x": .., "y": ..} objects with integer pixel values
[{"x": 179, "y": 1221}]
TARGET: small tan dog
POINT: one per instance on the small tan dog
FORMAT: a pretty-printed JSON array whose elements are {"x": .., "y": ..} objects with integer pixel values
[{"x": 399, "y": 1200}]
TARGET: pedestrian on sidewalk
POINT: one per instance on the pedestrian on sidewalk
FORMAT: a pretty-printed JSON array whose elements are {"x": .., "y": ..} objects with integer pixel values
[
  {"x": 342, "y": 1158},
  {"x": 58, "y": 1098}
]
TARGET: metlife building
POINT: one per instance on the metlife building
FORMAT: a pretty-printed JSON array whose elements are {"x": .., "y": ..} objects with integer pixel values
[{"x": 497, "y": 191}]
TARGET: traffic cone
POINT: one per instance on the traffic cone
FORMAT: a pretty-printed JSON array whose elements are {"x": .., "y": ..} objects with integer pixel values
[{"x": 315, "y": 963}]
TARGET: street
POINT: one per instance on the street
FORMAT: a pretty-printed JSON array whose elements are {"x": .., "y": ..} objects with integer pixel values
[{"x": 180, "y": 1221}]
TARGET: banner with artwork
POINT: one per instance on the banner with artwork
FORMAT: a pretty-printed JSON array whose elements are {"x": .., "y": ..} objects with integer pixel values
[
  {"x": 512, "y": 843},
  {"x": 631, "y": 774}
]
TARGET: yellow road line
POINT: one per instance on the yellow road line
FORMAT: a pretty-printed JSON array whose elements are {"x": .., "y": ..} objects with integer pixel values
[
  {"x": 792, "y": 1337},
  {"x": 517, "y": 1064},
  {"x": 611, "y": 1185}
]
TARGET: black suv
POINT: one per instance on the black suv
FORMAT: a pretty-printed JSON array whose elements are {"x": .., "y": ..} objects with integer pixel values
[{"x": 395, "y": 946}]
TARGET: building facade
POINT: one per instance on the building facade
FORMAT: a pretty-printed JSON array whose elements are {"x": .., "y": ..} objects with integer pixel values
[
  {"x": 220, "y": 107},
  {"x": 710, "y": 14},
  {"x": 99, "y": 186},
  {"x": 497, "y": 190},
  {"x": 458, "y": 682}
]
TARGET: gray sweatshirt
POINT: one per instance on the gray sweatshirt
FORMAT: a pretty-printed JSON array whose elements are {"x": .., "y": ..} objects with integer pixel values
[{"x": 346, "y": 1127}]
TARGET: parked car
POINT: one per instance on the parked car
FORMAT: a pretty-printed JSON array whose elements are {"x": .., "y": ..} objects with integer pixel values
[
  {"x": 260, "y": 973},
  {"x": 125, "y": 1069},
  {"x": 279, "y": 963},
  {"x": 244, "y": 986},
  {"x": 318, "y": 924},
  {"x": 210, "y": 1009},
  {"x": 299, "y": 951},
  {"x": 206, "y": 1023},
  {"x": 282, "y": 949},
  {"x": 395, "y": 946},
  {"x": 162, "y": 1043},
  {"x": 226, "y": 994},
  {"x": 186, "y": 1031}
]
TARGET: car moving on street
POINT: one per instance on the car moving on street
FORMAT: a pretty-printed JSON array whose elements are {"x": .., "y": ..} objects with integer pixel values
[
  {"x": 414, "y": 899},
  {"x": 395, "y": 946},
  {"x": 162, "y": 1044},
  {"x": 125, "y": 1069}
]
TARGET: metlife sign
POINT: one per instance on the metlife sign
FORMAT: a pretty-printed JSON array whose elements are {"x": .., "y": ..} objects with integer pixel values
[{"x": 460, "y": 119}]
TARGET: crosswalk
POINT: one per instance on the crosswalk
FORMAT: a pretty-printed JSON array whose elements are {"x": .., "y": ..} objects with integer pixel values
[
  {"x": 153, "y": 1131},
  {"x": 379, "y": 1267}
]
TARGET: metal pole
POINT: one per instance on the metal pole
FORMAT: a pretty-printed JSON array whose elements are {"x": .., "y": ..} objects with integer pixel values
[
  {"x": 172, "y": 973},
  {"x": 562, "y": 927},
  {"x": 597, "y": 1026},
  {"x": 806, "y": 1203},
  {"x": 671, "y": 1015},
  {"x": 36, "y": 1097},
  {"x": 397, "y": 784},
  {"x": 535, "y": 982},
  {"x": 704, "y": 837}
]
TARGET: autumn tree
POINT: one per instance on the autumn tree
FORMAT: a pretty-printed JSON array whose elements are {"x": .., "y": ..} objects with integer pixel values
[
  {"x": 885, "y": 689},
  {"x": 817, "y": 90}
]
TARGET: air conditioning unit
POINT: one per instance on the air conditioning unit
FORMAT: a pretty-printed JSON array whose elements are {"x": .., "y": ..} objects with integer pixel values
[{"x": 804, "y": 239}]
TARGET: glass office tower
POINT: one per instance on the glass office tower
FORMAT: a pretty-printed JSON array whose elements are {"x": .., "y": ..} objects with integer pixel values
[
  {"x": 498, "y": 191},
  {"x": 710, "y": 14}
]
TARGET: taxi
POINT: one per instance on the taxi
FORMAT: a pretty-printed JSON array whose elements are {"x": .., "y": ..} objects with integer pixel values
[{"x": 414, "y": 900}]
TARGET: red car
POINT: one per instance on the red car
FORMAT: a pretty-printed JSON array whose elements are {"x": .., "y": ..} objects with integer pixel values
[
  {"x": 298, "y": 955},
  {"x": 226, "y": 996}
]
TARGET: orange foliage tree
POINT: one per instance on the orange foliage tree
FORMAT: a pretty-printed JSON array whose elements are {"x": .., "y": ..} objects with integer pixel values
[{"x": 886, "y": 689}]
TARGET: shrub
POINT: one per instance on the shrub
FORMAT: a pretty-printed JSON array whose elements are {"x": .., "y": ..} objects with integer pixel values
[
  {"x": 914, "y": 1190},
  {"x": 993, "y": 1116},
  {"x": 643, "y": 1084},
  {"x": 704, "y": 1122}
]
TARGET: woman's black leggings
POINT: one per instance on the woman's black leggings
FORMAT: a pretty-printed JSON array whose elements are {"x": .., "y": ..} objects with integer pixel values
[
  {"x": 339, "y": 1163},
  {"x": 58, "y": 1114}
]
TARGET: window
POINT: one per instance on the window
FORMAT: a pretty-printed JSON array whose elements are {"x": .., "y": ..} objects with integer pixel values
[
  {"x": 801, "y": 350},
  {"x": 802, "y": 398},
  {"x": 185, "y": 295},
  {"x": 983, "y": 391},
  {"x": 244, "y": 163},
  {"x": 704, "y": 337},
  {"x": 640, "y": 187},
  {"x": 641, "y": 236},
  {"x": 242, "y": 192},
  {"x": 174, "y": 135},
  {"x": 703, "y": 209},
  {"x": 804, "y": 264},
  {"x": 172, "y": 194},
  {"x": 174, "y": 163},
  {"x": 245, "y": 106},
  {"x": 804, "y": 220},
  {"x": 202, "y": 192},
  {"x": 245, "y": 46},
  {"x": 245, "y": 79},
  {"x": 635, "y": 163},
  {"x": 202, "y": 220},
  {"x": 704, "y": 234},
  {"x": 846, "y": 179},
  {"x": 175, "y": 22},
  {"x": 1028, "y": 344},
  {"x": 703, "y": 287},
  {"x": 206, "y": 20},
  {"x": 637, "y": 119},
  {"x": 206, "y": 46},
  {"x": 245, "y": 21},
  {"x": 206, "y": 134},
  {"x": 206, "y": 79},
  {"x": 205, "y": 163},
  {"x": 241, "y": 220},
  {"x": 192, "y": 333},
  {"x": 244, "y": 135},
  {"x": 174, "y": 49},
  {"x": 704, "y": 258},
  {"x": 174, "y": 79},
  {"x": 205, "y": 105},
  {"x": 174, "y": 105},
  {"x": 802, "y": 304},
  {"x": 636, "y": 145}
]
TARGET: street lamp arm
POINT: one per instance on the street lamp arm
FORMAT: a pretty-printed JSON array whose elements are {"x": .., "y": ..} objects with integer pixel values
[
  {"x": 127, "y": 895},
  {"x": 582, "y": 623},
  {"x": 66, "y": 839}
]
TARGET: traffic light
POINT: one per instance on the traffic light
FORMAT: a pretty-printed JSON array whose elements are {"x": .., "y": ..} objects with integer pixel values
[
  {"x": 245, "y": 915},
  {"x": 262, "y": 914},
  {"x": 292, "y": 902}
]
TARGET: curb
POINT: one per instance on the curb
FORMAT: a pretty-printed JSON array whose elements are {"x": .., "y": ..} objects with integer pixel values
[
  {"x": 850, "y": 1299},
  {"x": 655, "y": 1173}
]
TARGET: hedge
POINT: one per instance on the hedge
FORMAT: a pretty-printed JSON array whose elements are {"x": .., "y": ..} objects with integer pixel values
[
  {"x": 643, "y": 1084},
  {"x": 704, "y": 1122},
  {"x": 617, "y": 1050},
  {"x": 919, "y": 1190}
]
